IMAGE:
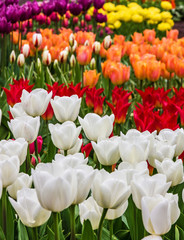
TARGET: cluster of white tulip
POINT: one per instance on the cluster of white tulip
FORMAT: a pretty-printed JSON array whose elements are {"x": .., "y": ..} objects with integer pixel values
[{"x": 68, "y": 180}]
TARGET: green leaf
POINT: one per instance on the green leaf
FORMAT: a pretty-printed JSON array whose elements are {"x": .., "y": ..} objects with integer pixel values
[
  {"x": 22, "y": 232},
  {"x": 123, "y": 235},
  {"x": 87, "y": 232},
  {"x": 51, "y": 235},
  {"x": 2, "y": 236},
  {"x": 30, "y": 74},
  {"x": 181, "y": 233},
  {"x": 61, "y": 231},
  {"x": 177, "y": 234},
  {"x": 51, "y": 151},
  {"x": 49, "y": 77},
  {"x": 10, "y": 221}
]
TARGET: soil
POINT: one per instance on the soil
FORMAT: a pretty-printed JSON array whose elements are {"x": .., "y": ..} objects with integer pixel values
[{"x": 180, "y": 27}]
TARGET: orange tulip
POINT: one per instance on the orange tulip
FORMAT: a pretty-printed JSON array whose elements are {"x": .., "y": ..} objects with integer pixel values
[
  {"x": 103, "y": 51},
  {"x": 172, "y": 34},
  {"x": 164, "y": 73},
  {"x": 114, "y": 53},
  {"x": 153, "y": 70},
  {"x": 140, "y": 69},
  {"x": 171, "y": 62},
  {"x": 149, "y": 35},
  {"x": 81, "y": 37},
  {"x": 119, "y": 39},
  {"x": 179, "y": 68},
  {"x": 137, "y": 38},
  {"x": 84, "y": 54},
  {"x": 90, "y": 78},
  {"x": 119, "y": 73},
  {"x": 105, "y": 67},
  {"x": 15, "y": 37}
]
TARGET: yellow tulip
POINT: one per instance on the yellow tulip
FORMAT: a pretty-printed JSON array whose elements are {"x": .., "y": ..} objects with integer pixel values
[
  {"x": 163, "y": 26},
  {"x": 156, "y": 17},
  {"x": 117, "y": 24},
  {"x": 90, "y": 11},
  {"x": 165, "y": 15},
  {"x": 170, "y": 21},
  {"x": 166, "y": 5},
  {"x": 154, "y": 9},
  {"x": 112, "y": 18},
  {"x": 121, "y": 7},
  {"x": 137, "y": 18},
  {"x": 109, "y": 7}
]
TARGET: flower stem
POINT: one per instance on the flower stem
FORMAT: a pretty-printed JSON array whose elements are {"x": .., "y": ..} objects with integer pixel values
[
  {"x": 35, "y": 233},
  {"x": 65, "y": 153},
  {"x": 111, "y": 228},
  {"x": 72, "y": 222},
  {"x": 99, "y": 234},
  {"x": 36, "y": 149},
  {"x": 56, "y": 229},
  {"x": 28, "y": 160},
  {"x": 4, "y": 210}
]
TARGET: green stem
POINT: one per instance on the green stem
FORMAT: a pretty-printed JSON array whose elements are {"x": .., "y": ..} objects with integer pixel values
[
  {"x": 28, "y": 160},
  {"x": 56, "y": 229},
  {"x": 72, "y": 222},
  {"x": 4, "y": 211},
  {"x": 111, "y": 228},
  {"x": 36, "y": 149},
  {"x": 99, "y": 234},
  {"x": 35, "y": 233},
  {"x": 65, "y": 152}
]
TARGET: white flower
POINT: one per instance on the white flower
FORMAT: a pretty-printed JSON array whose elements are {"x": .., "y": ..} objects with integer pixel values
[
  {"x": 37, "y": 39},
  {"x": 17, "y": 110},
  {"x": 29, "y": 209},
  {"x": 20, "y": 60},
  {"x": 159, "y": 213},
  {"x": 152, "y": 237},
  {"x": 71, "y": 160},
  {"x": 66, "y": 108},
  {"x": 26, "y": 50},
  {"x": 64, "y": 136},
  {"x": 95, "y": 126},
  {"x": 116, "y": 213},
  {"x": 36, "y": 102},
  {"x": 172, "y": 170},
  {"x": 46, "y": 58},
  {"x": 23, "y": 181},
  {"x": 25, "y": 127}
]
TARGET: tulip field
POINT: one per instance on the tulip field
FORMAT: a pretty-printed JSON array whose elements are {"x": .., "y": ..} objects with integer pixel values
[{"x": 91, "y": 120}]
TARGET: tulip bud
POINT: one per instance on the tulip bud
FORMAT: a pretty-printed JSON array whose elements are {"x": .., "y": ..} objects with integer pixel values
[
  {"x": 96, "y": 47},
  {"x": 86, "y": 43},
  {"x": 72, "y": 61},
  {"x": 92, "y": 64},
  {"x": 37, "y": 39},
  {"x": 26, "y": 50},
  {"x": 12, "y": 57},
  {"x": 63, "y": 56},
  {"x": 72, "y": 49},
  {"x": 55, "y": 63},
  {"x": 46, "y": 58},
  {"x": 71, "y": 39},
  {"x": 20, "y": 60},
  {"x": 75, "y": 20},
  {"x": 38, "y": 64},
  {"x": 107, "y": 42}
]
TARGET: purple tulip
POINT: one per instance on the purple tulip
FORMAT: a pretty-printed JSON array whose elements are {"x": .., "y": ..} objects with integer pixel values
[
  {"x": 5, "y": 27},
  {"x": 85, "y": 3},
  {"x": 25, "y": 11},
  {"x": 36, "y": 9},
  {"x": 12, "y": 13},
  {"x": 10, "y": 2},
  {"x": 101, "y": 18},
  {"x": 98, "y": 3},
  {"x": 61, "y": 6},
  {"x": 48, "y": 8},
  {"x": 75, "y": 8}
]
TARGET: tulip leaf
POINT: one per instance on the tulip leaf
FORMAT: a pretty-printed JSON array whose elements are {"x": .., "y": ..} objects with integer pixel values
[
  {"x": 51, "y": 235},
  {"x": 177, "y": 234},
  {"x": 87, "y": 232},
  {"x": 123, "y": 235},
  {"x": 181, "y": 233},
  {"x": 61, "y": 231},
  {"x": 10, "y": 222},
  {"x": 49, "y": 77},
  {"x": 30, "y": 73},
  {"x": 51, "y": 151},
  {"x": 106, "y": 235},
  {"x": 22, "y": 232},
  {"x": 2, "y": 236}
]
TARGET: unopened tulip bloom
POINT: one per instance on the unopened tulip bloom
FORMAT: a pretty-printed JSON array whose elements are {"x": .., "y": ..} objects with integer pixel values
[
  {"x": 172, "y": 170},
  {"x": 26, "y": 50},
  {"x": 75, "y": 149},
  {"x": 46, "y": 58},
  {"x": 109, "y": 191},
  {"x": 90, "y": 210},
  {"x": 152, "y": 237},
  {"x": 107, "y": 151},
  {"x": 90, "y": 78},
  {"x": 107, "y": 42},
  {"x": 9, "y": 169},
  {"x": 96, "y": 47},
  {"x": 173, "y": 138},
  {"x": 145, "y": 185},
  {"x": 153, "y": 71},
  {"x": 25, "y": 127},
  {"x": 72, "y": 61},
  {"x": 20, "y": 60},
  {"x": 23, "y": 181},
  {"x": 56, "y": 186},
  {"x": 12, "y": 57},
  {"x": 63, "y": 56},
  {"x": 37, "y": 39},
  {"x": 17, "y": 110},
  {"x": 29, "y": 209},
  {"x": 66, "y": 108},
  {"x": 71, "y": 39},
  {"x": 159, "y": 213},
  {"x": 64, "y": 136},
  {"x": 14, "y": 147},
  {"x": 72, "y": 161},
  {"x": 95, "y": 126},
  {"x": 36, "y": 102}
]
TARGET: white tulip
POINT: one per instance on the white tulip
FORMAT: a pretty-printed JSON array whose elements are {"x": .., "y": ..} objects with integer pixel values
[
  {"x": 152, "y": 237},
  {"x": 90, "y": 210},
  {"x": 109, "y": 191},
  {"x": 145, "y": 185},
  {"x": 172, "y": 170},
  {"x": 64, "y": 136},
  {"x": 159, "y": 151},
  {"x": 14, "y": 147},
  {"x": 159, "y": 213},
  {"x": 173, "y": 138},
  {"x": 75, "y": 149},
  {"x": 37, "y": 39},
  {"x": 25, "y": 127},
  {"x": 23, "y": 181},
  {"x": 116, "y": 213},
  {"x": 36, "y": 102},
  {"x": 46, "y": 58},
  {"x": 12, "y": 56},
  {"x": 107, "y": 151},
  {"x": 66, "y": 108},
  {"x": 95, "y": 126},
  {"x": 9, "y": 167},
  {"x": 20, "y": 60},
  {"x": 72, "y": 161},
  {"x": 17, "y": 110},
  {"x": 26, "y": 50},
  {"x": 56, "y": 186},
  {"x": 29, "y": 209}
]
